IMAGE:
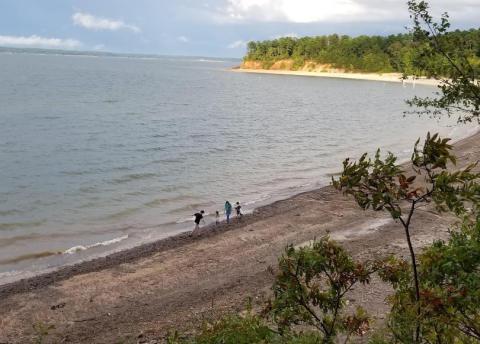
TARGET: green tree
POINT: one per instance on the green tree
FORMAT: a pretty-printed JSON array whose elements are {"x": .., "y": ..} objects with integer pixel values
[
  {"x": 382, "y": 185},
  {"x": 451, "y": 58},
  {"x": 311, "y": 286}
]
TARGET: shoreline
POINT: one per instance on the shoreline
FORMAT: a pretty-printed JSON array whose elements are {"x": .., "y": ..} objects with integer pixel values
[
  {"x": 179, "y": 281},
  {"x": 131, "y": 254},
  {"x": 122, "y": 256},
  {"x": 385, "y": 77}
]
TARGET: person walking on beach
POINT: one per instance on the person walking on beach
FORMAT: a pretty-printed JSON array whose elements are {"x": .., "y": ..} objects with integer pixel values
[
  {"x": 198, "y": 218},
  {"x": 238, "y": 209},
  {"x": 228, "y": 210},
  {"x": 217, "y": 218}
]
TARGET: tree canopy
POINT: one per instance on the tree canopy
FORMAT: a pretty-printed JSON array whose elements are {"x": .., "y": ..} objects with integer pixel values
[{"x": 394, "y": 53}]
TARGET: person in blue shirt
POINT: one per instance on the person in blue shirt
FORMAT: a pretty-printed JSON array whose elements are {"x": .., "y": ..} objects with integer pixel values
[{"x": 228, "y": 210}]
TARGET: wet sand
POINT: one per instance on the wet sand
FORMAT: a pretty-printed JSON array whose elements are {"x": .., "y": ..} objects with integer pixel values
[{"x": 143, "y": 293}]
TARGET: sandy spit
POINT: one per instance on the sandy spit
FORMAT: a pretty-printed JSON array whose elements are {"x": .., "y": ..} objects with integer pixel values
[
  {"x": 387, "y": 77},
  {"x": 141, "y": 294}
]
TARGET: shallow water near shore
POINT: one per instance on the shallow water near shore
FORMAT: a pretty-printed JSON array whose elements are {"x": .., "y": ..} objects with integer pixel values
[{"x": 102, "y": 153}]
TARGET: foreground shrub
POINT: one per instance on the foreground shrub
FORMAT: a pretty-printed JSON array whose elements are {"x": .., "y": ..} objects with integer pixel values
[
  {"x": 450, "y": 292},
  {"x": 310, "y": 290},
  {"x": 308, "y": 304},
  {"x": 382, "y": 185},
  {"x": 236, "y": 329}
]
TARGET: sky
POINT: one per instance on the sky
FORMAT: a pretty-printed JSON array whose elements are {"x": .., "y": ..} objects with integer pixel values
[{"x": 217, "y": 28}]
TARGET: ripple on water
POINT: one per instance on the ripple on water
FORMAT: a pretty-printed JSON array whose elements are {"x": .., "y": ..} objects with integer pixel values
[
  {"x": 163, "y": 201},
  {"x": 10, "y": 212},
  {"x": 16, "y": 225},
  {"x": 134, "y": 176},
  {"x": 191, "y": 207},
  {"x": 123, "y": 213}
]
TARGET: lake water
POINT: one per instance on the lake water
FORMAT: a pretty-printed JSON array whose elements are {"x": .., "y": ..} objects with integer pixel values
[{"x": 100, "y": 153}]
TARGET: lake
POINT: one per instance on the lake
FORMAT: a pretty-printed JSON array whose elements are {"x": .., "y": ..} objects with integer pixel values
[{"x": 100, "y": 153}]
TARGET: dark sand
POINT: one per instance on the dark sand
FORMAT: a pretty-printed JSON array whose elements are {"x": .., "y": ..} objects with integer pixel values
[{"x": 178, "y": 282}]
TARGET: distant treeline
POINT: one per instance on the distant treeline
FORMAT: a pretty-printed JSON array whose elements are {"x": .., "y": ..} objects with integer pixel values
[{"x": 394, "y": 53}]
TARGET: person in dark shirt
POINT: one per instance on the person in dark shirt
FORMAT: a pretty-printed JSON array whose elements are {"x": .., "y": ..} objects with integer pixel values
[
  {"x": 198, "y": 218},
  {"x": 238, "y": 209}
]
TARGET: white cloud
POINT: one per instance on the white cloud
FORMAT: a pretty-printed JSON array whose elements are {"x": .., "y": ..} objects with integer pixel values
[
  {"x": 237, "y": 44},
  {"x": 91, "y": 22},
  {"x": 183, "y": 39},
  {"x": 35, "y": 41},
  {"x": 292, "y": 35},
  {"x": 308, "y": 11},
  {"x": 297, "y": 11}
]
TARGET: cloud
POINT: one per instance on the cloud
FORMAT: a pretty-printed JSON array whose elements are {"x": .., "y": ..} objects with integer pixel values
[
  {"x": 183, "y": 39},
  {"x": 296, "y": 11},
  {"x": 291, "y": 35},
  {"x": 91, "y": 22},
  {"x": 237, "y": 44},
  {"x": 310, "y": 11},
  {"x": 35, "y": 41}
]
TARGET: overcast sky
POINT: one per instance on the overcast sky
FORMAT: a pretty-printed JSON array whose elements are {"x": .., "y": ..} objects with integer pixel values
[{"x": 202, "y": 27}]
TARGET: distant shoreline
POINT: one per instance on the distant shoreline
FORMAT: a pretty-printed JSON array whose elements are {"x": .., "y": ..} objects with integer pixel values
[{"x": 385, "y": 77}]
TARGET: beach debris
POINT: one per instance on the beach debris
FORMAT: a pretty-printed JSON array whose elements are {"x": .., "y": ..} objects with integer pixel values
[
  {"x": 85, "y": 320},
  {"x": 59, "y": 306}
]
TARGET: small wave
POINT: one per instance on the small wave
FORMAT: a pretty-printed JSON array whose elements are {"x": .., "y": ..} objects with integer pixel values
[
  {"x": 14, "y": 225},
  {"x": 75, "y": 173},
  {"x": 174, "y": 188},
  {"x": 217, "y": 150},
  {"x": 162, "y": 201},
  {"x": 200, "y": 136},
  {"x": 191, "y": 207},
  {"x": 134, "y": 176},
  {"x": 151, "y": 149},
  {"x": 257, "y": 200},
  {"x": 165, "y": 161},
  {"x": 88, "y": 205},
  {"x": 10, "y": 212},
  {"x": 135, "y": 193},
  {"x": 28, "y": 257},
  {"x": 457, "y": 133},
  {"x": 79, "y": 248},
  {"x": 184, "y": 220},
  {"x": 207, "y": 60},
  {"x": 88, "y": 189},
  {"x": 280, "y": 180},
  {"x": 123, "y": 213}
]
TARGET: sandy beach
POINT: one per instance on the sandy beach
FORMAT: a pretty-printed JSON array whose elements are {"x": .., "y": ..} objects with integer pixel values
[
  {"x": 387, "y": 77},
  {"x": 141, "y": 294}
]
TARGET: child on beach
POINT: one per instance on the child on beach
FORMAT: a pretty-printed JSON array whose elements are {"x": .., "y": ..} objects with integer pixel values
[
  {"x": 198, "y": 218},
  {"x": 238, "y": 209},
  {"x": 228, "y": 210},
  {"x": 217, "y": 217}
]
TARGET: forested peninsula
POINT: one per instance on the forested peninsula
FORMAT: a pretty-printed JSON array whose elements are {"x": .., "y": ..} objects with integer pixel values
[{"x": 401, "y": 53}]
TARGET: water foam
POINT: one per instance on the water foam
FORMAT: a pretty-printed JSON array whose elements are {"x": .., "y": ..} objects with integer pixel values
[{"x": 79, "y": 248}]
